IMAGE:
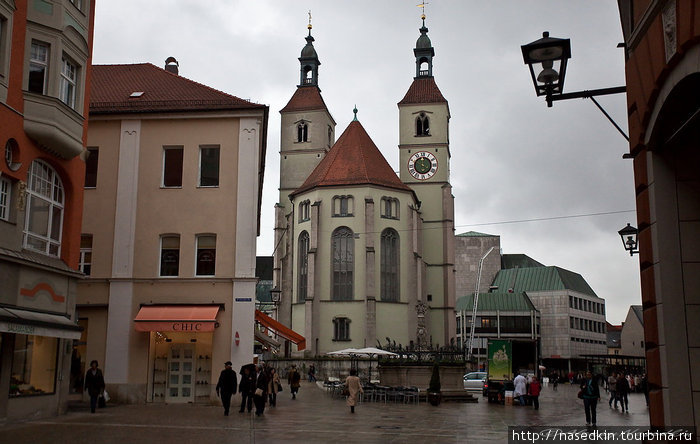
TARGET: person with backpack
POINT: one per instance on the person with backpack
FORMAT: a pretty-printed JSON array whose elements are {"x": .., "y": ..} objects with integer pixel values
[{"x": 590, "y": 394}]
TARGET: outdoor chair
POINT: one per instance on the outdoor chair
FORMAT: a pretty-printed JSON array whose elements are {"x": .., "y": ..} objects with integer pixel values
[
  {"x": 410, "y": 395},
  {"x": 395, "y": 394},
  {"x": 380, "y": 393}
]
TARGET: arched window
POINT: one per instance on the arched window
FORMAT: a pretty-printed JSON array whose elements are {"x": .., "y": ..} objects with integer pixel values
[
  {"x": 343, "y": 206},
  {"x": 422, "y": 125},
  {"x": 303, "y": 275},
  {"x": 342, "y": 252},
  {"x": 303, "y": 132},
  {"x": 390, "y": 265},
  {"x": 390, "y": 208},
  {"x": 44, "y": 220}
]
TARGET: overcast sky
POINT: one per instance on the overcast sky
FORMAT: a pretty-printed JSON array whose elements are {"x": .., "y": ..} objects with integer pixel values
[{"x": 513, "y": 158}]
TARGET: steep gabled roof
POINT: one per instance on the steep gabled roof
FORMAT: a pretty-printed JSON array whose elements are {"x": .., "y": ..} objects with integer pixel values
[
  {"x": 353, "y": 160},
  {"x": 423, "y": 90},
  {"x": 637, "y": 309},
  {"x": 535, "y": 279},
  {"x": 306, "y": 98},
  {"x": 163, "y": 91}
]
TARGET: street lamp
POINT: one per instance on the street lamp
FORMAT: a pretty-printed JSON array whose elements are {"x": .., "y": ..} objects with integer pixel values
[
  {"x": 275, "y": 295},
  {"x": 551, "y": 54},
  {"x": 629, "y": 239}
]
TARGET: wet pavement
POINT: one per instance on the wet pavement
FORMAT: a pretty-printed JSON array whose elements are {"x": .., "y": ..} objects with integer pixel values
[{"x": 316, "y": 417}]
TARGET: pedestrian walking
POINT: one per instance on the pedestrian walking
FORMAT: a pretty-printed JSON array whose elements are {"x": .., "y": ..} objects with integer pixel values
[
  {"x": 612, "y": 388},
  {"x": 352, "y": 384},
  {"x": 534, "y": 392},
  {"x": 260, "y": 394},
  {"x": 520, "y": 388},
  {"x": 94, "y": 384},
  {"x": 227, "y": 385},
  {"x": 312, "y": 373},
  {"x": 622, "y": 387},
  {"x": 247, "y": 387},
  {"x": 591, "y": 394},
  {"x": 273, "y": 386},
  {"x": 294, "y": 380}
]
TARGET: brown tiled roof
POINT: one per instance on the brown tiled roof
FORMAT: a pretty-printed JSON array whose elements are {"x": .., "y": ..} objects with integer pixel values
[
  {"x": 163, "y": 91},
  {"x": 423, "y": 90},
  {"x": 353, "y": 160},
  {"x": 305, "y": 98}
]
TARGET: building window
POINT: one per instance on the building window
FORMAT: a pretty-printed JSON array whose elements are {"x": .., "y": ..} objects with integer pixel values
[
  {"x": 343, "y": 264},
  {"x": 390, "y": 265},
  {"x": 5, "y": 198},
  {"x": 38, "y": 67},
  {"x": 169, "y": 255},
  {"x": 304, "y": 208},
  {"x": 85, "y": 264},
  {"x": 206, "y": 255},
  {"x": 303, "y": 266},
  {"x": 330, "y": 136},
  {"x": 209, "y": 166},
  {"x": 91, "y": 168},
  {"x": 571, "y": 302},
  {"x": 422, "y": 125},
  {"x": 343, "y": 206},
  {"x": 33, "y": 366},
  {"x": 571, "y": 322},
  {"x": 172, "y": 166},
  {"x": 78, "y": 4},
  {"x": 341, "y": 329},
  {"x": 44, "y": 220},
  {"x": 302, "y": 132},
  {"x": 3, "y": 46},
  {"x": 390, "y": 208},
  {"x": 69, "y": 73}
]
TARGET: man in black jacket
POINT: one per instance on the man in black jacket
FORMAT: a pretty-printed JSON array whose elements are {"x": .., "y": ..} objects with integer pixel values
[
  {"x": 247, "y": 387},
  {"x": 226, "y": 387},
  {"x": 261, "y": 393}
]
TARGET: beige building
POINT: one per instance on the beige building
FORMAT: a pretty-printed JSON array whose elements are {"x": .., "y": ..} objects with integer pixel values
[
  {"x": 632, "y": 334},
  {"x": 365, "y": 254},
  {"x": 171, "y": 215}
]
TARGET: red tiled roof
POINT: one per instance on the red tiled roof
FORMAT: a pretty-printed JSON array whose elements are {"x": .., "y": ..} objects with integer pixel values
[
  {"x": 353, "y": 160},
  {"x": 163, "y": 91},
  {"x": 305, "y": 98},
  {"x": 423, "y": 90}
]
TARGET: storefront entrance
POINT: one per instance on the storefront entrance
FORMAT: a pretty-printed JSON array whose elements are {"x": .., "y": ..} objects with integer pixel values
[
  {"x": 180, "y": 374},
  {"x": 181, "y": 366}
]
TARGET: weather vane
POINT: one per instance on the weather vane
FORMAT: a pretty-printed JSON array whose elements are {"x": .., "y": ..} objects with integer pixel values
[
  {"x": 309, "y": 26},
  {"x": 422, "y": 6}
]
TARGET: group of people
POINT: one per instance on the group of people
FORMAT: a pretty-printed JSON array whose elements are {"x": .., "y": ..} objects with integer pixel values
[
  {"x": 259, "y": 385},
  {"x": 619, "y": 385},
  {"x": 529, "y": 387}
]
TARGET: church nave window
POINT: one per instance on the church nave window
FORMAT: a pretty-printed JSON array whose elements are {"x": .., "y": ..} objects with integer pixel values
[
  {"x": 390, "y": 208},
  {"x": 302, "y": 132},
  {"x": 422, "y": 125},
  {"x": 343, "y": 264},
  {"x": 341, "y": 329},
  {"x": 390, "y": 265},
  {"x": 304, "y": 211},
  {"x": 343, "y": 206},
  {"x": 303, "y": 266}
]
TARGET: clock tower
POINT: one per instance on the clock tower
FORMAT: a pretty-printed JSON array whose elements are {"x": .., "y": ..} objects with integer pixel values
[{"x": 424, "y": 164}]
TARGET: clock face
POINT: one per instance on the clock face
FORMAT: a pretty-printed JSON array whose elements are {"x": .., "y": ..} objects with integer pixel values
[{"x": 422, "y": 165}]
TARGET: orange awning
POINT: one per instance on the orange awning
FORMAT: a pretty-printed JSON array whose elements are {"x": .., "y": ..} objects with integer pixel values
[
  {"x": 185, "y": 318},
  {"x": 280, "y": 329}
]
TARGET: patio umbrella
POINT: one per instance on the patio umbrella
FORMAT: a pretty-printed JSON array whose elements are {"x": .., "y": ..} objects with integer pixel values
[
  {"x": 371, "y": 352},
  {"x": 344, "y": 352}
]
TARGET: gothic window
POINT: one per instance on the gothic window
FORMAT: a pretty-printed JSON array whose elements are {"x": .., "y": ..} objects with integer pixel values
[
  {"x": 390, "y": 265},
  {"x": 422, "y": 125},
  {"x": 303, "y": 266},
  {"x": 342, "y": 253},
  {"x": 341, "y": 329},
  {"x": 304, "y": 211},
  {"x": 389, "y": 208},
  {"x": 302, "y": 132},
  {"x": 343, "y": 206}
]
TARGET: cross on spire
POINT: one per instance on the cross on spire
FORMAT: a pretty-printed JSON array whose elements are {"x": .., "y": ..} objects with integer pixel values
[{"x": 422, "y": 6}]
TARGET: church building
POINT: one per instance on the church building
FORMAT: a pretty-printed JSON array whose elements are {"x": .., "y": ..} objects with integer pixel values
[{"x": 363, "y": 254}]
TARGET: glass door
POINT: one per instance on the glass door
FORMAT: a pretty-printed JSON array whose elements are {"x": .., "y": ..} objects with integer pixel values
[{"x": 180, "y": 373}]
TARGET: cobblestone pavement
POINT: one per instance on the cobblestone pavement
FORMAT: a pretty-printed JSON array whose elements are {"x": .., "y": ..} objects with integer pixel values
[{"x": 316, "y": 417}]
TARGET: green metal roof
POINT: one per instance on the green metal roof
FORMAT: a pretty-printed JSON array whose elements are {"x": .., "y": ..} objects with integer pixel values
[
  {"x": 541, "y": 279},
  {"x": 496, "y": 301},
  {"x": 518, "y": 261},
  {"x": 475, "y": 234}
]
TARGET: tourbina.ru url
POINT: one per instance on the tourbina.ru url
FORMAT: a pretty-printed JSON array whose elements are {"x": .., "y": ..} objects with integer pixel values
[{"x": 603, "y": 434}]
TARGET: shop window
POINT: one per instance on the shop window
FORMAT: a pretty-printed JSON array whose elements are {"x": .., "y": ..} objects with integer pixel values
[
  {"x": 341, "y": 329},
  {"x": 69, "y": 75},
  {"x": 343, "y": 206},
  {"x": 33, "y": 366},
  {"x": 5, "y": 198},
  {"x": 209, "y": 166},
  {"x": 91, "y": 167},
  {"x": 172, "y": 166},
  {"x": 169, "y": 255},
  {"x": 303, "y": 266},
  {"x": 343, "y": 264},
  {"x": 304, "y": 211},
  {"x": 44, "y": 220},
  {"x": 389, "y": 267},
  {"x": 206, "y": 255},
  {"x": 85, "y": 264},
  {"x": 38, "y": 67}
]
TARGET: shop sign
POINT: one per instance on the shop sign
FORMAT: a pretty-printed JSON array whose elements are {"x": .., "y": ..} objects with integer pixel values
[
  {"x": 244, "y": 299},
  {"x": 187, "y": 326},
  {"x": 20, "y": 328}
]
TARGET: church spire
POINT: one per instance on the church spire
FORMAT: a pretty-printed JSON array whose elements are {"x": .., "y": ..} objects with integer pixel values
[
  {"x": 309, "y": 61},
  {"x": 424, "y": 53}
]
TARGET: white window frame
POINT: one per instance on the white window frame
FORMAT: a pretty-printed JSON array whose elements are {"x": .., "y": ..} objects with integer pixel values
[
  {"x": 36, "y": 62},
  {"x": 5, "y": 198},
  {"x": 196, "y": 253},
  {"x": 51, "y": 192},
  {"x": 83, "y": 254},
  {"x": 69, "y": 83}
]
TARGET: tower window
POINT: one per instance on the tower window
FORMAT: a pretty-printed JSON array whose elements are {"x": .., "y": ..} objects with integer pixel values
[
  {"x": 422, "y": 125},
  {"x": 303, "y": 132},
  {"x": 303, "y": 266}
]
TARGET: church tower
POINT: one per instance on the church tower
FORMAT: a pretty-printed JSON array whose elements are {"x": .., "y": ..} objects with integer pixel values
[
  {"x": 424, "y": 153},
  {"x": 307, "y": 133}
]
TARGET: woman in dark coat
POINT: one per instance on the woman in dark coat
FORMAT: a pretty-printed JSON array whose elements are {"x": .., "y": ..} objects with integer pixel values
[
  {"x": 591, "y": 395},
  {"x": 94, "y": 384}
]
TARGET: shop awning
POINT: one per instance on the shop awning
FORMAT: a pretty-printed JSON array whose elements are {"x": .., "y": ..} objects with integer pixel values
[
  {"x": 25, "y": 322},
  {"x": 185, "y": 318},
  {"x": 286, "y": 332},
  {"x": 265, "y": 339}
]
